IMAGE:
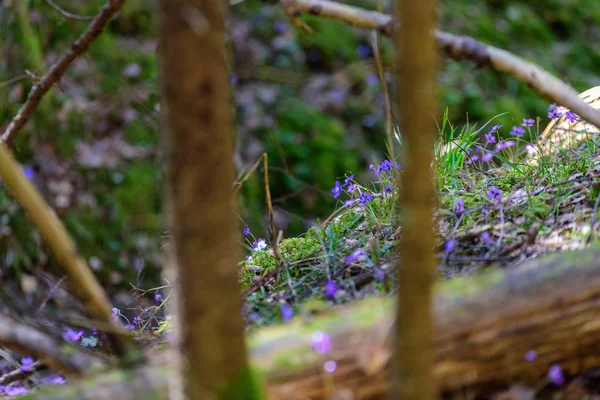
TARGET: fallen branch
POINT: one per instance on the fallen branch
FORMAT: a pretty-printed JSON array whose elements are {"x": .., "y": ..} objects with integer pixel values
[
  {"x": 27, "y": 341},
  {"x": 484, "y": 327},
  {"x": 20, "y": 373},
  {"x": 457, "y": 47},
  {"x": 59, "y": 68},
  {"x": 81, "y": 278}
]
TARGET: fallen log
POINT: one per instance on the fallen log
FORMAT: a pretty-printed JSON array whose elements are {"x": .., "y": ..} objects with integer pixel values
[{"x": 484, "y": 327}]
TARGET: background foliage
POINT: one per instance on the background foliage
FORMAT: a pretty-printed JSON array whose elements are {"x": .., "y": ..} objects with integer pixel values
[{"x": 311, "y": 101}]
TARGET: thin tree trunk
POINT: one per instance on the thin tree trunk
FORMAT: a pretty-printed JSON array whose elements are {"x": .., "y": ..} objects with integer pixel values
[
  {"x": 198, "y": 133},
  {"x": 417, "y": 99}
]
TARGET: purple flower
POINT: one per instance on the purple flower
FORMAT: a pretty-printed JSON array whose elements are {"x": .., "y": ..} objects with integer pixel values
[
  {"x": 28, "y": 172},
  {"x": 16, "y": 391},
  {"x": 555, "y": 374},
  {"x": 234, "y": 79},
  {"x": 136, "y": 321},
  {"x": 450, "y": 245},
  {"x": 246, "y": 231},
  {"x": 486, "y": 238},
  {"x": 348, "y": 203},
  {"x": 330, "y": 288},
  {"x": 530, "y": 355},
  {"x": 486, "y": 157},
  {"x": 369, "y": 121},
  {"x": 372, "y": 80},
  {"x": 504, "y": 145},
  {"x": 355, "y": 255},
  {"x": 494, "y": 193},
  {"x": 280, "y": 27},
  {"x": 495, "y": 128},
  {"x": 130, "y": 327},
  {"x": 71, "y": 335},
  {"x": 321, "y": 343},
  {"x": 158, "y": 297},
  {"x": 286, "y": 312},
  {"x": 379, "y": 274},
  {"x": 555, "y": 112},
  {"x": 260, "y": 244},
  {"x": 531, "y": 149},
  {"x": 517, "y": 131},
  {"x": 26, "y": 363},
  {"x": 490, "y": 138},
  {"x": 351, "y": 188},
  {"x": 571, "y": 116},
  {"x": 365, "y": 198},
  {"x": 528, "y": 122},
  {"x": 459, "y": 206},
  {"x": 471, "y": 159},
  {"x": 363, "y": 51},
  {"x": 337, "y": 95},
  {"x": 248, "y": 258},
  {"x": 348, "y": 179},
  {"x": 55, "y": 380},
  {"x": 329, "y": 366},
  {"x": 337, "y": 190},
  {"x": 115, "y": 313},
  {"x": 388, "y": 189}
]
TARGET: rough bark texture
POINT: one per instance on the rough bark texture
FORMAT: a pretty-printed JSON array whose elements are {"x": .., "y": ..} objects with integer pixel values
[
  {"x": 484, "y": 326},
  {"x": 418, "y": 110},
  {"x": 198, "y": 133}
]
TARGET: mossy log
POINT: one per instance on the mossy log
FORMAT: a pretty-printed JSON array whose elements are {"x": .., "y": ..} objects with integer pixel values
[{"x": 484, "y": 326}]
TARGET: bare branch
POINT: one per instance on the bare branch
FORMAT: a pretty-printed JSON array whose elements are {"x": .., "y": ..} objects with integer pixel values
[
  {"x": 67, "y": 14},
  {"x": 20, "y": 374},
  {"x": 457, "y": 47},
  {"x": 59, "y": 68}
]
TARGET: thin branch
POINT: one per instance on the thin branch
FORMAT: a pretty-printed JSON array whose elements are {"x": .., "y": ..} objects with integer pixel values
[
  {"x": 27, "y": 341},
  {"x": 59, "y": 68},
  {"x": 82, "y": 279},
  {"x": 457, "y": 47},
  {"x": 67, "y": 14},
  {"x": 20, "y": 374}
]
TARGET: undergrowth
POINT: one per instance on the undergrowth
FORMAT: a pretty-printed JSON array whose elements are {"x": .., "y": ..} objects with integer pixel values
[{"x": 501, "y": 198}]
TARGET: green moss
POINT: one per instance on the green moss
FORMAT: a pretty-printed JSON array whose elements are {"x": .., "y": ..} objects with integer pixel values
[{"x": 243, "y": 387}]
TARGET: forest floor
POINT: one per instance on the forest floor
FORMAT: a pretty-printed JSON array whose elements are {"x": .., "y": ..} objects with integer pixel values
[{"x": 533, "y": 204}]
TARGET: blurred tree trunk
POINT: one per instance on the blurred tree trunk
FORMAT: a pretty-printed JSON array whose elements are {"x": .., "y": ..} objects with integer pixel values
[
  {"x": 417, "y": 99},
  {"x": 198, "y": 135}
]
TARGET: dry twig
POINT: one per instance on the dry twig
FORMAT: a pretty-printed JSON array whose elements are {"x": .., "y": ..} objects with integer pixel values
[{"x": 20, "y": 374}]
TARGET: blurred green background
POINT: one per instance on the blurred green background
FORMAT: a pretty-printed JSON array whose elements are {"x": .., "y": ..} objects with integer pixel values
[{"x": 312, "y": 102}]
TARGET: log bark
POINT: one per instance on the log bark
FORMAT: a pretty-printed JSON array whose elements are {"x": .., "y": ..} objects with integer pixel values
[{"x": 484, "y": 326}]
